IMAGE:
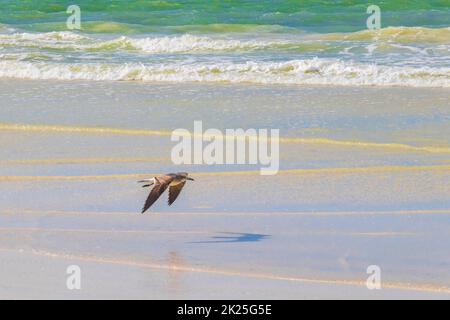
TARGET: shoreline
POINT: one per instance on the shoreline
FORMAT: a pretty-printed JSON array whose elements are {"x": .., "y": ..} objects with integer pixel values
[{"x": 230, "y": 84}]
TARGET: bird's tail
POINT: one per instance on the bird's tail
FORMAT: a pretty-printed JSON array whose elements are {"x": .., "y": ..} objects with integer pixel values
[{"x": 148, "y": 182}]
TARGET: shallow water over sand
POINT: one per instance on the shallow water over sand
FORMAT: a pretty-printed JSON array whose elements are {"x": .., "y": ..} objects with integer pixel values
[{"x": 364, "y": 179}]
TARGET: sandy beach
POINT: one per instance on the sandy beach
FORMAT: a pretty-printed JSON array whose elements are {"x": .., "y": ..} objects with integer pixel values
[{"x": 364, "y": 180}]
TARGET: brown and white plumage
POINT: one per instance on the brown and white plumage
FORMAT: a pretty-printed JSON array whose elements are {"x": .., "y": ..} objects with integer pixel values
[{"x": 174, "y": 181}]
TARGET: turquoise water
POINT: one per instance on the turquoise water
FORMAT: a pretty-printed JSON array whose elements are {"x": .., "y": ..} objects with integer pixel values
[
  {"x": 274, "y": 42},
  {"x": 326, "y": 16}
]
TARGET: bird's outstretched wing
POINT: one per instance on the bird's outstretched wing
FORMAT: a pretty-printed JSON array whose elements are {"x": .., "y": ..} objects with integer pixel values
[
  {"x": 161, "y": 184},
  {"x": 174, "y": 191}
]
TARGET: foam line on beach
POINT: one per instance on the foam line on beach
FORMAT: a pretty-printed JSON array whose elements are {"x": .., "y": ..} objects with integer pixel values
[
  {"x": 239, "y": 214},
  {"x": 82, "y": 130},
  {"x": 82, "y": 160},
  {"x": 234, "y": 273},
  {"x": 163, "y": 133},
  {"x": 177, "y": 232},
  {"x": 344, "y": 170},
  {"x": 93, "y": 231}
]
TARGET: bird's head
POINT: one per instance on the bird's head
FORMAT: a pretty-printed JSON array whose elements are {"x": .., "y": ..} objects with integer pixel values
[{"x": 185, "y": 175}]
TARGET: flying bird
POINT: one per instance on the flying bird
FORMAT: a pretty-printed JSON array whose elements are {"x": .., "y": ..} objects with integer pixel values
[{"x": 175, "y": 182}]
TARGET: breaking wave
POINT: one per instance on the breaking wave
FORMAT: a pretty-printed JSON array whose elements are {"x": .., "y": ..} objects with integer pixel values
[
  {"x": 154, "y": 45},
  {"x": 397, "y": 34},
  {"x": 309, "y": 71},
  {"x": 188, "y": 43},
  {"x": 394, "y": 56}
]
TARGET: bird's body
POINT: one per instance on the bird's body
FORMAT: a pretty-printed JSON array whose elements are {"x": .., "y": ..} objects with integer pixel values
[{"x": 174, "y": 181}]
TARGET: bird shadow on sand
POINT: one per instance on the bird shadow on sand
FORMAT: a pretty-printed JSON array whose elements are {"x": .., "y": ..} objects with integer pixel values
[{"x": 235, "y": 237}]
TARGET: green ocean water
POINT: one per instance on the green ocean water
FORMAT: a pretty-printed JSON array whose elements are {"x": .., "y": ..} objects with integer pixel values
[
  {"x": 275, "y": 42},
  {"x": 324, "y": 16}
]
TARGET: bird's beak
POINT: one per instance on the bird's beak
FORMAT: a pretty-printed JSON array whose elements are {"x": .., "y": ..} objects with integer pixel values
[{"x": 190, "y": 179}]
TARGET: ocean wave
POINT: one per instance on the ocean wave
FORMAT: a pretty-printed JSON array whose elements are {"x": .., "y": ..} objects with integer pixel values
[
  {"x": 64, "y": 40},
  {"x": 395, "y": 34},
  {"x": 190, "y": 43},
  {"x": 151, "y": 45},
  {"x": 112, "y": 27},
  {"x": 309, "y": 71},
  {"x": 56, "y": 36}
]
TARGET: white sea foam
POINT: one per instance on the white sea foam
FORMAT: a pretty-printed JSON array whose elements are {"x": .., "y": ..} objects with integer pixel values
[
  {"x": 71, "y": 56},
  {"x": 155, "y": 45},
  {"x": 309, "y": 71},
  {"x": 47, "y": 37},
  {"x": 190, "y": 43}
]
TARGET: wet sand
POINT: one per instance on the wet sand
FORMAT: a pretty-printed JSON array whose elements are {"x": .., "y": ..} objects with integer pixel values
[{"x": 364, "y": 180}]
